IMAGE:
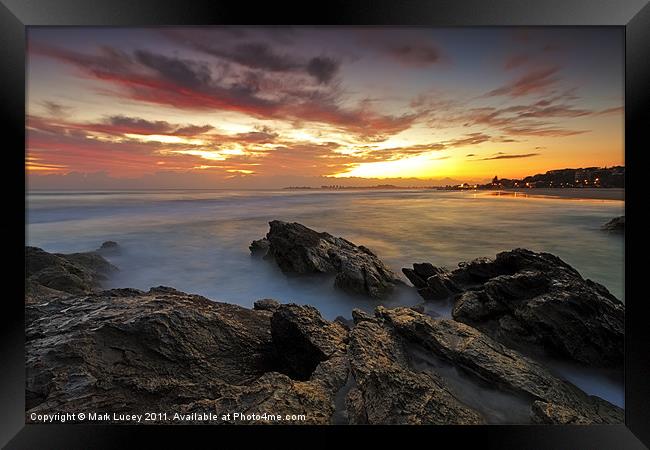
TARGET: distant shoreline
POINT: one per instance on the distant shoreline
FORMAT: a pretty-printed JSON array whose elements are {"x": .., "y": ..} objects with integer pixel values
[
  {"x": 616, "y": 194},
  {"x": 569, "y": 193}
]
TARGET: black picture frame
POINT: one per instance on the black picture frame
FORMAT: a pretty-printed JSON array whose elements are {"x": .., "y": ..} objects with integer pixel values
[{"x": 16, "y": 15}]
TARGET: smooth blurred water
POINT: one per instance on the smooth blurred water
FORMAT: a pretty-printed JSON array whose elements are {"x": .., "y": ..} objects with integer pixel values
[{"x": 197, "y": 241}]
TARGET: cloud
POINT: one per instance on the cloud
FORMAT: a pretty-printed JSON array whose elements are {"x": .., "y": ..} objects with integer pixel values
[
  {"x": 323, "y": 68},
  {"x": 539, "y": 118},
  {"x": 260, "y": 56},
  {"x": 255, "y": 55},
  {"x": 134, "y": 125},
  {"x": 534, "y": 81},
  {"x": 121, "y": 125},
  {"x": 542, "y": 131},
  {"x": 56, "y": 109},
  {"x": 470, "y": 139},
  {"x": 514, "y": 61},
  {"x": 418, "y": 54},
  {"x": 263, "y": 135},
  {"x": 525, "y": 155},
  {"x": 186, "y": 84},
  {"x": 182, "y": 72}
]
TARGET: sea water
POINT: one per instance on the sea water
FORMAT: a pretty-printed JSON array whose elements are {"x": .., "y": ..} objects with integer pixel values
[{"x": 197, "y": 241}]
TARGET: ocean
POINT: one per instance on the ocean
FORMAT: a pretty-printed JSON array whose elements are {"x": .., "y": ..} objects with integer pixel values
[{"x": 197, "y": 241}]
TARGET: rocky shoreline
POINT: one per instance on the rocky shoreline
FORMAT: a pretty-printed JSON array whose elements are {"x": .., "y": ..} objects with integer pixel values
[{"x": 132, "y": 351}]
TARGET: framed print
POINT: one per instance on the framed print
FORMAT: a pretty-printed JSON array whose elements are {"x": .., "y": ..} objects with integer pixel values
[{"x": 397, "y": 217}]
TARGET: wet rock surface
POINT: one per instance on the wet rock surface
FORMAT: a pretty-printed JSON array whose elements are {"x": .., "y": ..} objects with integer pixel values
[
  {"x": 55, "y": 273},
  {"x": 300, "y": 250},
  {"x": 127, "y": 350},
  {"x": 531, "y": 300},
  {"x": 470, "y": 350}
]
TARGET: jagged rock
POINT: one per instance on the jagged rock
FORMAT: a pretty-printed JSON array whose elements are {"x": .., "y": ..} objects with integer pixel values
[
  {"x": 303, "y": 338},
  {"x": 74, "y": 273},
  {"x": 266, "y": 304},
  {"x": 616, "y": 225},
  {"x": 389, "y": 391},
  {"x": 359, "y": 315},
  {"x": 535, "y": 301},
  {"x": 301, "y": 250},
  {"x": 469, "y": 349},
  {"x": 259, "y": 247},
  {"x": 35, "y": 292},
  {"x": 128, "y": 350}
]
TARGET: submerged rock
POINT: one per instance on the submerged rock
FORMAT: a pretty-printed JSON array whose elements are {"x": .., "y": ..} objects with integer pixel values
[
  {"x": 533, "y": 300},
  {"x": 616, "y": 225},
  {"x": 300, "y": 250},
  {"x": 74, "y": 273}
]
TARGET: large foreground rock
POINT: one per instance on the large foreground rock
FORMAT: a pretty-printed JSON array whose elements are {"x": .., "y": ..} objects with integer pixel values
[
  {"x": 301, "y": 250},
  {"x": 125, "y": 350},
  {"x": 531, "y": 300}
]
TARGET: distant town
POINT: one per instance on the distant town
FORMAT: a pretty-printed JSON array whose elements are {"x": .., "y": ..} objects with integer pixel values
[{"x": 589, "y": 177}]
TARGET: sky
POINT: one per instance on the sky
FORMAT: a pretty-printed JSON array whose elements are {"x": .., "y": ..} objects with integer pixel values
[{"x": 255, "y": 107}]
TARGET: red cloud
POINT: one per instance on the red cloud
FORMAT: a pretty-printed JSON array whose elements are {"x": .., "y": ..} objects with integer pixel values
[
  {"x": 188, "y": 84},
  {"x": 532, "y": 82}
]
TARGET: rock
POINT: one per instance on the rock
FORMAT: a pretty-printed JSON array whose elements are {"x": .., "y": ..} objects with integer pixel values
[
  {"x": 616, "y": 225},
  {"x": 266, "y": 304},
  {"x": 346, "y": 323},
  {"x": 469, "y": 349},
  {"x": 303, "y": 339},
  {"x": 536, "y": 302},
  {"x": 434, "y": 284},
  {"x": 259, "y": 247},
  {"x": 74, "y": 273},
  {"x": 35, "y": 292},
  {"x": 418, "y": 308},
  {"x": 131, "y": 351},
  {"x": 389, "y": 391},
  {"x": 301, "y": 250},
  {"x": 359, "y": 315},
  {"x": 109, "y": 248},
  {"x": 126, "y": 350}
]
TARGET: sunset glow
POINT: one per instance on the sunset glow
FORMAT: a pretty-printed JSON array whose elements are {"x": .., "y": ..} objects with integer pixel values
[{"x": 262, "y": 107}]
